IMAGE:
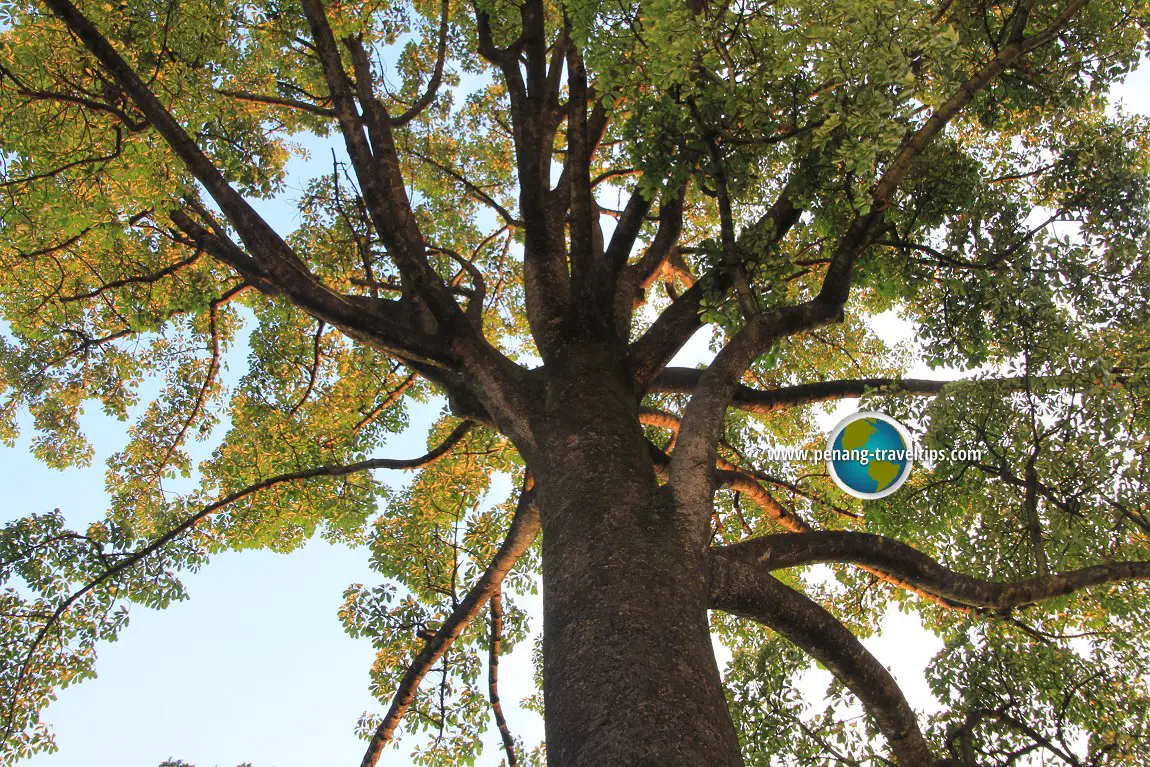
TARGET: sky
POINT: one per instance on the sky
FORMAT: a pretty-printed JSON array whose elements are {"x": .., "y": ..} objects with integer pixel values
[{"x": 255, "y": 666}]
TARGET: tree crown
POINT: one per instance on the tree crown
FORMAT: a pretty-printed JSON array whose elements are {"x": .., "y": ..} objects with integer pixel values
[{"x": 516, "y": 188}]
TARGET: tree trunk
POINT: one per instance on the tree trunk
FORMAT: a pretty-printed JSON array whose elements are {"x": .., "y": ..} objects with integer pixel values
[{"x": 630, "y": 676}]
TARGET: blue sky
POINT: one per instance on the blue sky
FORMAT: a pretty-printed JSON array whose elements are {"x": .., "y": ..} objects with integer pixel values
[{"x": 255, "y": 666}]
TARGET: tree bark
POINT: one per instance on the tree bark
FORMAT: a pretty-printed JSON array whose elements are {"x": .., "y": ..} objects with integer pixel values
[{"x": 630, "y": 676}]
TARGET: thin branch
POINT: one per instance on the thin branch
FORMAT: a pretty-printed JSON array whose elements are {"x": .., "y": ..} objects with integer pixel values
[
  {"x": 278, "y": 101},
  {"x": 143, "y": 279},
  {"x": 135, "y": 557},
  {"x": 493, "y": 651},
  {"x": 104, "y": 158},
  {"x": 313, "y": 370},
  {"x": 209, "y": 379},
  {"x": 99, "y": 106},
  {"x": 391, "y": 398},
  {"x": 433, "y": 84},
  {"x": 474, "y": 189}
]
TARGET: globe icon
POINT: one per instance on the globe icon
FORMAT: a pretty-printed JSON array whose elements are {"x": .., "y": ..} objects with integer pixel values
[{"x": 869, "y": 454}]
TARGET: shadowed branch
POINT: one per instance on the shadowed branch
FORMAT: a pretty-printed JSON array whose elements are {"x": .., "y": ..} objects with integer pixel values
[
  {"x": 751, "y": 592},
  {"x": 920, "y": 571},
  {"x": 523, "y": 531}
]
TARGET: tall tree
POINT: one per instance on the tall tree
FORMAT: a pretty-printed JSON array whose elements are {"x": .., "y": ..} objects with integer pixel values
[{"x": 534, "y": 207}]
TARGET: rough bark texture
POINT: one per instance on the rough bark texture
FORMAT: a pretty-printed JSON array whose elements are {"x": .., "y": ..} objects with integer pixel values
[{"x": 630, "y": 676}]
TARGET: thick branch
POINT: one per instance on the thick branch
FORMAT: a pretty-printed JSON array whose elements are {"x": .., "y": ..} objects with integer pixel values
[
  {"x": 660, "y": 254},
  {"x": 703, "y": 417},
  {"x": 376, "y": 164},
  {"x": 281, "y": 271},
  {"x": 751, "y": 592},
  {"x": 533, "y": 126},
  {"x": 672, "y": 329},
  {"x": 640, "y": 274},
  {"x": 746, "y": 484},
  {"x": 675, "y": 326},
  {"x": 729, "y": 475},
  {"x": 631, "y": 222},
  {"x": 592, "y": 274},
  {"x": 686, "y": 380},
  {"x": 911, "y": 566},
  {"x": 375, "y": 321},
  {"x": 697, "y": 448}
]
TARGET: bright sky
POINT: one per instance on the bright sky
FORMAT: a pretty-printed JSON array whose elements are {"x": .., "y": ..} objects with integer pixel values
[{"x": 255, "y": 667}]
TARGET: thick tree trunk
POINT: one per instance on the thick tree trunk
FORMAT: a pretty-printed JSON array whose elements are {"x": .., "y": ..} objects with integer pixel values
[{"x": 630, "y": 676}]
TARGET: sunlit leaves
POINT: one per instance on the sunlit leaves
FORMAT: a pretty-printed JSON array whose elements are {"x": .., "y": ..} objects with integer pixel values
[{"x": 1016, "y": 244}]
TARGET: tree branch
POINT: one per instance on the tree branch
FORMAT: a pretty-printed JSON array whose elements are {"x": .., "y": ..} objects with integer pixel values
[
  {"x": 651, "y": 352},
  {"x": 274, "y": 267},
  {"x": 278, "y": 101},
  {"x": 702, "y": 423},
  {"x": 675, "y": 326},
  {"x": 631, "y": 222},
  {"x": 377, "y": 168},
  {"x": 493, "y": 650},
  {"x": 744, "y": 483},
  {"x": 920, "y": 571},
  {"x": 661, "y": 252},
  {"x": 376, "y": 322},
  {"x": 433, "y": 84},
  {"x": 533, "y": 124},
  {"x": 523, "y": 531},
  {"x": 751, "y": 592},
  {"x": 474, "y": 189},
  {"x": 704, "y": 415},
  {"x": 836, "y": 283},
  {"x": 132, "y": 559},
  {"x": 676, "y": 380},
  {"x": 686, "y": 381},
  {"x": 592, "y": 274}
]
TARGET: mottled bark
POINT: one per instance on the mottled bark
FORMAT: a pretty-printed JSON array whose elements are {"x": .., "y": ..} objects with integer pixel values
[{"x": 630, "y": 676}]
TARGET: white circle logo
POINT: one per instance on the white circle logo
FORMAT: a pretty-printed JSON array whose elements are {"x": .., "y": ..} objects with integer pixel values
[{"x": 869, "y": 454}]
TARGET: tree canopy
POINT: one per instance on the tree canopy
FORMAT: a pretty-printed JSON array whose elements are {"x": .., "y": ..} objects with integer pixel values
[{"x": 530, "y": 208}]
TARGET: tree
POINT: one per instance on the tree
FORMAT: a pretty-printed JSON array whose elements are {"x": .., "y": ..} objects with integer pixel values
[{"x": 782, "y": 172}]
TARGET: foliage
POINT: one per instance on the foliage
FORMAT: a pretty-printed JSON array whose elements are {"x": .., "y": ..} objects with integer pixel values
[{"x": 954, "y": 164}]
